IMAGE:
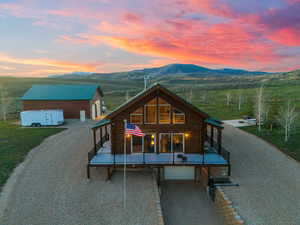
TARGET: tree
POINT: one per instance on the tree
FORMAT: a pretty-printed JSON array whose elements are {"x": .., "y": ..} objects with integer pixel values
[
  {"x": 127, "y": 96},
  {"x": 240, "y": 101},
  {"x": 191, "y": 96},
  {"x": 4, "y": 102},
  {"x": 260, "y": 107},
  {"x": 228, "y": 98},
  {"x": 204, "y": 98},
  {"x": 286, "y": 118},
  {"x": 273, "y": 111}
]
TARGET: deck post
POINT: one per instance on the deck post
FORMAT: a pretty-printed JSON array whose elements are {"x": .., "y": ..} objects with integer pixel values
[
  {"x": 173, "y": 158},
  {"x": 211, "y": 135},
  {"x": 95, "y": 144},
  {"x": 158, "y": 176},
  {"x": 219, "y": 141},
  {"x": 106, "y": 135},
  {"x": 88, "y": 171},
  {"x": 101, "y": 141},
  {"x": 108, "y": 174},
  {"x": 208, "y": 174}
]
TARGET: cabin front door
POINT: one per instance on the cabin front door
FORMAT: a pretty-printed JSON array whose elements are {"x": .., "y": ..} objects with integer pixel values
[{"x": 136, "y": 144}]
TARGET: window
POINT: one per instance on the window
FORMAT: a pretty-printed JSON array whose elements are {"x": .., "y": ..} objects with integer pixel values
[
  {"x": 178, "y": 142},
  {"x": 137, "y": 116},
  {"x": 171, "y": 142},
  {"x": 136, "y": 144},
  {"x": 150, "y": 112},
  {"x": 164, "y": 111},
  {"x": 150, "y": 143},
  {"x": 165, "y": 143},
  {"x": 178, "y": 116}
]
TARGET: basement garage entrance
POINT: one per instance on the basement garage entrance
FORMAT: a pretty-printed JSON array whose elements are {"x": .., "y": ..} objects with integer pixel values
[{"x": 179, "y": 172}]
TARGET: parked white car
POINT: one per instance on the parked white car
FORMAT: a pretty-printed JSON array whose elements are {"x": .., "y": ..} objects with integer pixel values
[{"x": 37, "y": 118}]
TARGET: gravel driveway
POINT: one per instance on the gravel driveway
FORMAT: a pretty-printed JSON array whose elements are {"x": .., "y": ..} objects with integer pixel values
[
  {"x": 187, "y": 203},
  {"x": 270, "y": 181},
  {"x": 52, "y": 188}
]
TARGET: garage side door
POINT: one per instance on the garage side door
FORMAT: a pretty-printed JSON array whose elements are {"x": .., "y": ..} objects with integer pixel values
[{"x": 179, "y": 172}]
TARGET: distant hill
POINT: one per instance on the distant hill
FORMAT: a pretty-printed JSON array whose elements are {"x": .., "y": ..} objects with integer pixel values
[
  {"x": 74, "y": 74},
  {"x": 165, "y": 72}
]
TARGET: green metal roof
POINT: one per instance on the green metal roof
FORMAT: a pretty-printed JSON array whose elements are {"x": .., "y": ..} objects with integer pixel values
[
  {"x": 102, "y": 123},
  {"x": 61, "y": 92},
  {"x": 214, "y": 122}
]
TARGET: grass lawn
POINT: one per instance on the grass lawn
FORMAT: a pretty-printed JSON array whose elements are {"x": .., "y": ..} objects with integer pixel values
[
  {"x": 16, "y": 142},
  {"x": 276, "y": 137}
]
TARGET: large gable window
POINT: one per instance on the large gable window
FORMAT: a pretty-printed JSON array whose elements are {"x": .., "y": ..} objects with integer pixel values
[
  {"x": 178, "y": 116},
  {"x": 164, "y": 111},
  {"x": 150, "y": 112},
  {"x": 137, "y": 116}
]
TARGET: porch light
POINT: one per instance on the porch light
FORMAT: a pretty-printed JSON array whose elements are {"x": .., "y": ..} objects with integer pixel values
[
  {"x": 128, "y": 135},
  {"x": 186, "y": 135},
  {"x": 152, "y": 136},
  {"x": 152, "y": 142}
]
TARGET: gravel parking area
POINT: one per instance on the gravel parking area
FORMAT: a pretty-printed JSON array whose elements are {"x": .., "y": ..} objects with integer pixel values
[
  {"x": 269, "y": 180},
  {"x": 52, "y": 188}
]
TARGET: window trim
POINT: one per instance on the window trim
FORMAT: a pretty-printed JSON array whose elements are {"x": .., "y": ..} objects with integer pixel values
[
  {"x": 152, "y": 105},
  {"x": 143, "y": 143},
  {"x": 183, "y": 144},
  {"x": 136, "y": 114},
  {"x": 174, "y": 114},
  {"x": 131, "y": 145},
  {"x": 170, "y": 118},
  {"x": 172, "y": 149},
  {"x": 160, "y": 148}
]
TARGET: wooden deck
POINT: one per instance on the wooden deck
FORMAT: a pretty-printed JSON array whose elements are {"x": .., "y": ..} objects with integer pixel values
[{"x": 106, "y": 159}]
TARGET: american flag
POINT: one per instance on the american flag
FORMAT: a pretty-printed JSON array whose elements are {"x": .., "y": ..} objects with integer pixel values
[{"x": 133, "y": 130}]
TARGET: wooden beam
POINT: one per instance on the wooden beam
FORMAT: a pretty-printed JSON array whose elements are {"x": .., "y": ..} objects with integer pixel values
[
  {"x": 211, "y": 135},
  {"x": 88, "y": 171},
  {"x": 101, "y": 142},
  {"x": 219, "y": 140},
  {"x": 110, "y": 171}
]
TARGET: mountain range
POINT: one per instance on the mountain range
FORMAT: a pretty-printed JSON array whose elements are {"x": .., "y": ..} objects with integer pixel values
[{"x": 164, "y": 72}]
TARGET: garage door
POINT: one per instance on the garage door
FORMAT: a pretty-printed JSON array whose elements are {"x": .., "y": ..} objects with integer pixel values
[{"x": 179, "y": 172}]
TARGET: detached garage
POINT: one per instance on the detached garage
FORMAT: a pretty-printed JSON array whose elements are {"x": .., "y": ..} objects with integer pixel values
[
  {"x": 74, "y": 100},
  {"x": 179, "y": 172}
]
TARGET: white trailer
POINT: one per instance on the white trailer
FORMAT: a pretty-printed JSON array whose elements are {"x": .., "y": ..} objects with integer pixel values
[{"x": 37, "y": 118}]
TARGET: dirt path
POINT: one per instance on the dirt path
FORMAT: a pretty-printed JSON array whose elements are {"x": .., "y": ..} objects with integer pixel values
[
  {"x": 186, "y": 203},
  {"x": 52, "y": 188},
  {"x": 270, "y": 180}
]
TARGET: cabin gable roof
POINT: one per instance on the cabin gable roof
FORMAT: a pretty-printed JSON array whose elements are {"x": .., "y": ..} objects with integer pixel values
[{"x": 152, "y": 91}]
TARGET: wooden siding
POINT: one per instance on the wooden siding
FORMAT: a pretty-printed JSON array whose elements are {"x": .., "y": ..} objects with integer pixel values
[
  {"x": 71, "y": 108},
  {"x": 194, "y": 126}
]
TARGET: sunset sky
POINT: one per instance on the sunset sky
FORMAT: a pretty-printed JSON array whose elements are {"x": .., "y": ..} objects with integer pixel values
[{"x": 42, "y": 37}]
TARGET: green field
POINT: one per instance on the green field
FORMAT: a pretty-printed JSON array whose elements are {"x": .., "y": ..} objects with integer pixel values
[
  {"x": 16, "y": 142},
  {"x": 209, "y": 94}
]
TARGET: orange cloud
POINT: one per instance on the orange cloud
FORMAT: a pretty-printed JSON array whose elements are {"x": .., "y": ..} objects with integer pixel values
[{"x": 48, "y": 63}]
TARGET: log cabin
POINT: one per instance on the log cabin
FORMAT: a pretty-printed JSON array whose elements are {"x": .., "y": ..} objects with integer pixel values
[{"x": 179, "y": 138}]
